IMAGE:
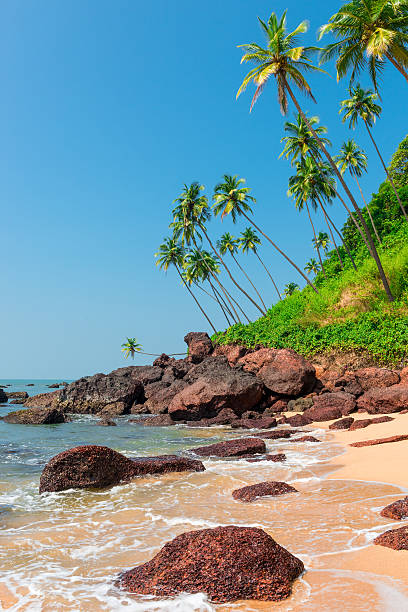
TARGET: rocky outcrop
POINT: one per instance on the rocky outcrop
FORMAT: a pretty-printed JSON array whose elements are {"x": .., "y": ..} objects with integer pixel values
[
  {"x": 159, "y": 401},
  {"x": 17, "y": 394},
  {"x": 330, "y": 406},
  {"x": 288, "y": 374},
  {"x": 160, "y": 420},
  {"x": 3, "y": 397},
  {"x": 280, "y": 434},
  {"x": 376, "y": 377},
  {"x": 227, "y": 563},
  {"x": 384, "y": 400},
  {"x": 199, "y": 346},
  {"x": 99, "y": 467},
  {"x": 305, "y": 439},
  {"x": 398, "y": 510},
  {"x": 342, "y": 423},
  {"x": 400, "y": 438},
  {"x": 43, "y": 400},
  {"x": 278, "y": 457},
  {"x": 214, "y": 386},
  {"x": 263, "y": 423},
  {"x": 262, "y": 489},
  {"x": 362, "y": 423},
  {"x": 233, "y": 352},
  {"x": 232, "y": 448},
  {"x": 35, "y": 416},
  {"x": 394, "y": 538},
  {"x": 298, "y": 420},
  {"x": 19, "y": 400},
  {"x": 106, "y": 423}
]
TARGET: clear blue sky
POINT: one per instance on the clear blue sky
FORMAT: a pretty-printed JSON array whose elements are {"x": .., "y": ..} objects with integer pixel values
[{"x": 106, "y": 109}]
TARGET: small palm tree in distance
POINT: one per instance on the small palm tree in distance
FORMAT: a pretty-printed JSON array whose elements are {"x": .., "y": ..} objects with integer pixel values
[{"x": 131, "y": 347}]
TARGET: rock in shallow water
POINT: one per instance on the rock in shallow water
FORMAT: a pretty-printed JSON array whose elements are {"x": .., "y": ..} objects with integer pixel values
[
  {"x": 394, "y": 538},
  {"x": 226, "y": 563},
  {"x": 262, "y": 489},
  {"x": 398, "y": 510},
  {"x": 36, "y": 416},
  {"x": 231, "y": 448},
  {"x": 99, "y": 467}
]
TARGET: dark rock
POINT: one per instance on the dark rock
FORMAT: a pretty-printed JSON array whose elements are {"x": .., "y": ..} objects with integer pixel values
[
  {"x": 361, "y": 424},
  {"x": 342, "y": 424},
  {"x": 394, "y": 538},
  {"x": 17, "y": 394},
  {"x": 106, "y": 423},
  {"x": 139, "y": 409},
  {"x": 331, "y": 406},
  {"x": 153, "y": 388},
  {"x": 160, "y": 420},
  {"x": 55, "y": 386},
  {"x": 305, "y": 439},
  {"x": 385, "y": 400},
  {"x": 280, "y": 434},
  {"x": 29, "y": 385},
  {"x": 251, "y": 414},
  {"x": 349, "y": 383},
  {"x": 278, "y": 457},
  {"x": 376, "y": 377},
  {"x": 232, "y": 448},
  {"x": 277, "y": 407},
  {"x": 298, "y": 420},
  {"x": 233, "y": 352},
  {"x": 262, "y": 489},
  {"x": 215, "y": 386},
  {"x": 20, "y": 400},
  {"x": 43, "y": 400},
  {"x": 225, "y": 417},
  {"x": 400, "y": 438},
  {"x": 159, "y": 402},
  {"x": 100, "y": 467},
  {"x": 288, "y": 373},
  {"x": 254, "y": 361},
  {"x": 263, "y": 423},
  {"x": 35, "y": 416},
  {"x": 227, "y": 563},
  {"x": 398, "y": 510},
  {"x": 300, "y": 405},
  {"x": 199, "y": 346}
]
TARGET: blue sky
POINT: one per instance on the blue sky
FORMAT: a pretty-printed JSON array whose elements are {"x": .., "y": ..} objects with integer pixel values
[{"x": 106, "y": 109}]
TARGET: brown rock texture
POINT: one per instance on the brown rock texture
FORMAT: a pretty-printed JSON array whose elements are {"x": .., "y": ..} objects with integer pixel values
[
  {"x": 35, "y": 416},
  {"x": 400, "y": 438},
  {"x": 99, "y": 467},
  {"x": 342, "y": 424},
  {"x": 233, "y": 352},
  {"x": 254, "y": 361},
  {"x": 288, "y": 374},
  {"x": 260, "y": 423},
  {"x": 305, "y": 439},
  {"x": 199, "y": 346},
  {"x": 159, "y": 401},
  {"x": 262, "y": 489},
  {"x": 330, "y": 406},
  {"x": 385, "y": 400},
  {"x": 43, "y": 400},
  {"x": 376, "y": 377},
  {"x": 398, "y": 510},
  {"x": 360, "y": 424},
  {"x": 298, "y": 420},
  {"x": 17, "y": 394},
  {"x": 226, "y": 563},
  {"x": 275, "y": 458},
  {"x": 394, "y": 538},
  {"x": 160, "y": 420},
  {"x": 278, "y": 435},
  {"x": 232, "y": 448}
]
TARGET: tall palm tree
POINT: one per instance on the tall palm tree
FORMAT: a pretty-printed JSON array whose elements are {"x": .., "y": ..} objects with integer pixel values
[
  {"x": 232, "y": 198},
  {"x": 229, "y": 244},
  {"x": 312, "y": 266},
  {"x": 362, "y": 105},
  {"x": 191, "y": 214},
  {"x": 284, "y": 61},
  {"x": 322, "y": 241},
  {"x": 131, "y": 347},
  {"x": 171, "y": 253},
  {"x": 250, "y": 241},
  {"x": 290, "y": 289},
  {"x": 354, "y": 159},
  {"x": 367, "y": 31},
  {"x": 300, "y": 144}
]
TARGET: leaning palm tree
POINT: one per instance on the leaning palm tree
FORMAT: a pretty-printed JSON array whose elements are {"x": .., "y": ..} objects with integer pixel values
[
  {"x": 229, "y": 244},
  {"x": 250, "y": 241},
  {"x": 312, "y": 266},
  {"x": 285, "y": 62},
  {"x": 322, "y": 241},
  {"x": 232, "y": 198},
  {"x": 190, "y": 216},
  {"x": 131, "y": 347},
  {"x": 362, "y": 104},
  {"x": 367, "y": 33},
  {"x": 290, "y": 289},
  {"x": 354, "y": 159},
  {"x": 171, "y": 253}
]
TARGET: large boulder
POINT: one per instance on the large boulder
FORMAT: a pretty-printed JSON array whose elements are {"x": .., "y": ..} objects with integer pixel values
[
  {"x": 384, "y": 400},
  {"x": 342, "y": 423},
  {"x": 233, "y": 352},
  {"x": 255, "y": 360},
  {"x": 159, "y": 401},
  {"x": 394, "y": 538},
  {"x": 398, "y": 510},
  {"x": 35, "y": 416},
  {"x": 199, "y": 346},
  {"x": 260, "y": 423},
  {"x": 240, "y": 447},
  {"x": 99, "y": 467},
  {"x": 17, "y": 394},
  {"x": 330, "y": 406},
  {"x": 3, "y": 397},
  {"x": 227, "y": 563},
  {"x": 376, "y": 377},
  {"x": 43, "y": 400},
  {"x": 214, "y": 386},
  {"x": 288, "y": 374},
  {"x": 262, "y": 489}
]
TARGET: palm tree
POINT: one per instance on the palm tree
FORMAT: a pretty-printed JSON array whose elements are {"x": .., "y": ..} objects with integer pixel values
[
  {"x": 131, "y": 347},
  {"x": 284, "y": 61},
  {"x": 171, "y": 253},
  {"x": 229, "y": 244},
  {"x": 290, "y": 289},
  {"x": 322, "y": 241},
  {"x": 354, "y": 159},
  {"x": 191, "y": 213},
  {"x": 367, "y": 31},
  {"x": 362, "y": 105},
  {"x": 312, "y": 266},
  {"x": 250, "y": 241},
  {"x": 299, "y": 144},
  {"x": 232, "y": 198}
]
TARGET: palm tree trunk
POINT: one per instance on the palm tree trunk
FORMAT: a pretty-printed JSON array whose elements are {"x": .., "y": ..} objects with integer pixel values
[
  {"x": 214, "y": 297},
  {"x": 386, "y": 171},
  {"x": 249, "y": 280},
  {"x": 219, "y": 303},
  {"x": 367, "y": 209},
  {"x": 397, "y": 65},
  {"x": 340, "y": 236},
  {"x": 315, "y": 240},
  {"x": 331, "y": 233},
  {"x": 329, "y": 158},
  {"x": 269, "y": 274},
  {"x": 292, "y": 263},
  {"x": 237, "y": 304},
  {"x": 195, "y": 299},
  {"x": 228, "y": 271}
]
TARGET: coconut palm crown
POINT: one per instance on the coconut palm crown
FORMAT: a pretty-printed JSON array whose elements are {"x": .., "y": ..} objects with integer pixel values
[
  {"x": 231, "y": 197},
  {"x": 360, "y": 105},
  {"x": 190, "y": 213},
  {"x": 227, "y": 244},
  {"x": 249, "y": 240},
  {"x": 367, "y": 33},
  {"x": 300, "y": 142},
  {"x": 131, "y": 347},
  {"x": 351, "y": 158},
  {"x": 282, "y": 58}
]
